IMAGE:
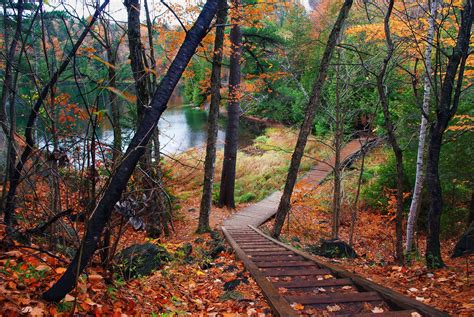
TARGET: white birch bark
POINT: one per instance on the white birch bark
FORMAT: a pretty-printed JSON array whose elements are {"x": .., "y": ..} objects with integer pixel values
[{"x": 420, "y": 161}]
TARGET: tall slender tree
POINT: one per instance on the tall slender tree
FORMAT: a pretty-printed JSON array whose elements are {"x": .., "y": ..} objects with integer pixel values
[
  {"x": 420, "y": 158},
  {"x": 446, "y": 107},
  {"x": 390, "y": 129},
  {"x": 226, "y": 196},
  {"x": 210, "y": 161},
  {"x": 310, "y": 112}
]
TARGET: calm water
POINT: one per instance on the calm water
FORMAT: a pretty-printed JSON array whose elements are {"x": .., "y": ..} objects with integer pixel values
[{"x": 181, "y": 127}]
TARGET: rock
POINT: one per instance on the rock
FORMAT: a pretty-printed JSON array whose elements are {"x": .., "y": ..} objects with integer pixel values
[
  {"x": 465, "y": 245},
  {"x": 141, "y": 259},
  {"x": 231, "y": 285},
  {"x": 234, "y": 295},
  {"x": 216, "y": 245},
  {"x": 333, "y": 248},
  {"x": 199, "y": 240},
  {"x": 295, "y": 239},
  {"x": 230, "y": 268}
]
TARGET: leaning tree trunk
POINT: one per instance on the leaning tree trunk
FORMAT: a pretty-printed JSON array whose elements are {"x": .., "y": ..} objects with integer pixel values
[
  {"x": 446, "y": 108},
  {"x": 14, "y": 178},
  {"x": 420, "y": 164},
  {"x": 226, "y": 196},
  {"x": 210, "y": 161},
  {"x": 307, "y": 125},
  {"x": 135, "y": 150},
  {"x": 392, "y": 139}
]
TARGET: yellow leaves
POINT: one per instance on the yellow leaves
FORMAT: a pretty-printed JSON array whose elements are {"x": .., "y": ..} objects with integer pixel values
[
  {"x": 60, "y": 270},
  {"x": 371, "y": 32},
  {"x": 123, "y": 94},
  {"x": 462, "y": 123}
]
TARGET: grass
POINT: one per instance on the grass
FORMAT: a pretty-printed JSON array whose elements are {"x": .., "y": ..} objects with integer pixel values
[{"x": 261, "y": 167}]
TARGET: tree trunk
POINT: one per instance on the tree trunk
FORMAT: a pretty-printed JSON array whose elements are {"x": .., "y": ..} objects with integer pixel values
[
  {"x": 210, "y": 161},
  {"x": 392, "y": 139},
  {"x": 136, "y": 57},
  {"x": 420, "y": 164},
  {"x": 338, "y": 139},
  {"x": 307, "y": 125},
  {"x": 471, "y": 210},
  {"x": 112, "y": 59},
  {"x": 135, "y": 150},
  {"x": 226, "y": 197},
  {"x": 446, "y": 108},
  {"x": 9, "y": 218},
  {"x": 356, "y": 201},
  {"x": 7, "y": 87}
]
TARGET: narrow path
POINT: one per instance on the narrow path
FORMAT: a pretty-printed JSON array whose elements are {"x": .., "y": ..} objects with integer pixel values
[{"x": 296, "y": 283}]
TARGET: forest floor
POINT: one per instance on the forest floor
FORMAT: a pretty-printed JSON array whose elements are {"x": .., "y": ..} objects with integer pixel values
[{"x": 200, "y": 285}]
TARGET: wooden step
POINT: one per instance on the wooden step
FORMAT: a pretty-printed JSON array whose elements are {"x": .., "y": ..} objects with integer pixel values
[
  {"x": 299, "y": 283},
  {"x": 295, "y": 272},
  {"x": 334, "y": 298},
  {"x": 257, "y": 249},
  {"x": 270, "y": 253},
  {"x": 284, "y": 264},
  {"x": 276, "y": 258}
]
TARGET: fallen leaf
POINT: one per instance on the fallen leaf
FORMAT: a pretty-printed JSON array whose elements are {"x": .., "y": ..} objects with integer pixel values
[
  {"x": 69, "y": 298},
  {"x": 333, "y": 308},
  {"x": 297, "y": 306},
  {"x": 377, "y": 310},
  {"x": 43, "y": 267},
  {"x": 95, "y": 277},
  {"x": 60, "y": 270}
]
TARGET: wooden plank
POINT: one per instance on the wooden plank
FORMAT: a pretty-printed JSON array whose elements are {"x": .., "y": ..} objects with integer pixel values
[
  {"x": 276, "y": 258},
  {"x": 269, "y": 253},
  {"x": 262, "y": 249},
  {"x": 295, "y": 272},
  {"x": 396, "y": 300},
  {"x": 334, "y": 298},
  {"x": 284, "y": 264},
  {"x": 246, "y": 243},
  {"x": 314, "y": 283},
  {"x": 279, "y": 304},
  {"x": 400, "y": 313}
]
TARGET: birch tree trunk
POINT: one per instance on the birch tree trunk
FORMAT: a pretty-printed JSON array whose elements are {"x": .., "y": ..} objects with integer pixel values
[{"x": 420, "y": 164}]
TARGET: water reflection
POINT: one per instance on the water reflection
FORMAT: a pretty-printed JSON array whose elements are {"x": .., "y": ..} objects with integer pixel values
[{"x": 184, "y": 127}]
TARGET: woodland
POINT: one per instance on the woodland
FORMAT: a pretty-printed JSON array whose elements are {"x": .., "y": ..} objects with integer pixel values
[{"x": 130, "y": 130}]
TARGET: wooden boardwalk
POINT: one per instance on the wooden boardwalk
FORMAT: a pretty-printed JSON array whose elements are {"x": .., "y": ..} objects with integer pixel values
[{"x": 291, "y": 279}]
